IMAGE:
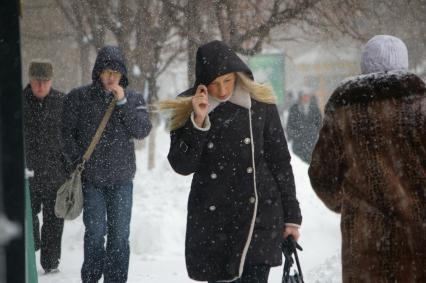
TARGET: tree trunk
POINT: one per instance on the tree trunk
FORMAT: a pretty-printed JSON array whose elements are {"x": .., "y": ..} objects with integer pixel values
[
  {"x": 191, "y": 52},
  {"x": 192, "y": 25},
  {"x": 151, "y": 147},
  {"x": 152, "y": 87},
  {"x": 86, "y": 75}
]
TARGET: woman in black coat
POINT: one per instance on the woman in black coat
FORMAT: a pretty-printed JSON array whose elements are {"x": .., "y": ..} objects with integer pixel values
[{"x": 227, "y": 131}]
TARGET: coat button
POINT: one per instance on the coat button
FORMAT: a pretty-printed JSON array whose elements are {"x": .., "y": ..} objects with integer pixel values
[
  {"x": 249, "y": 170},
  {"x": 210, "y": 145},
  {"x": 212, "y": 208},
  {"x": 252, "y": 199},
  {"x": 247, "y": 140},
  {"x": 213, "y": 176}
]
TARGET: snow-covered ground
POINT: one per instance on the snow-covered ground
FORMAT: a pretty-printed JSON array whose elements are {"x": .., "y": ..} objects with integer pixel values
[{"x": 158, "y": 229}]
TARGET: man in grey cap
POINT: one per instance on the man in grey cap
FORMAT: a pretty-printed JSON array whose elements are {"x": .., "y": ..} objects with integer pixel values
[{"x": 42, "y": 111}]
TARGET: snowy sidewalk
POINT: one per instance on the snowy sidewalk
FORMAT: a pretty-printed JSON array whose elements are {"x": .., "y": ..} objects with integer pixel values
[{"x": 158, "y": 229}]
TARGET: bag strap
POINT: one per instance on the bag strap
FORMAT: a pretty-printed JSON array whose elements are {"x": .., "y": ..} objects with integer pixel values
[
  {"x": 289, "y": 248},
  {"x": 99, "y": 132},
  {"x": 298, "y": 264}
]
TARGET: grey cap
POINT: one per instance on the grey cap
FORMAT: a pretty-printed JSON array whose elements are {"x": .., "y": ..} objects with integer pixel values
[
  {"x": 40, "y": 70},
  {"x": 384, "y": 53}
]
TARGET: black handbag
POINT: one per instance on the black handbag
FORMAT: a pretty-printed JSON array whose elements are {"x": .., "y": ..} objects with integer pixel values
[{"x": 289, "y": 248}]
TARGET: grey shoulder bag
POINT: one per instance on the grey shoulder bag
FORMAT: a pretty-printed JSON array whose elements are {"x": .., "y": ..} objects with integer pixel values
[{"x": 69, "y": 198}]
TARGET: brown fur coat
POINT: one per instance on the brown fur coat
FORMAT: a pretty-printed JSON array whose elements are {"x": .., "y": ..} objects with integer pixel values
[{"x": 369, "y": 164}]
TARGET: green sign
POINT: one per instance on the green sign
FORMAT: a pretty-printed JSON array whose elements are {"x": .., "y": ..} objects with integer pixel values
[{"x": 269, "y": 68}]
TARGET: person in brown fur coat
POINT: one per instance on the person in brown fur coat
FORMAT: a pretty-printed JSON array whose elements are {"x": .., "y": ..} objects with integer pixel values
[{"x": 369, "y": 165}]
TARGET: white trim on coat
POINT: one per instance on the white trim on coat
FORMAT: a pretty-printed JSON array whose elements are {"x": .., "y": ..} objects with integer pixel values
[
  {"x": 242, "y": 98},
  {"x": 243, "y": 258},
  {"x": 250, "y": 235}
]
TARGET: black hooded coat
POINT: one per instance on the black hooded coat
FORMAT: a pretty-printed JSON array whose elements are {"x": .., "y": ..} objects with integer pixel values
[
  {"x": 113, "y": 160},
  {"x": 242, "y": 191}
]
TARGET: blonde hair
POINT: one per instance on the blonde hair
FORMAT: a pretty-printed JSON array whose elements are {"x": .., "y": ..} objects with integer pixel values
[{"x": 181, "y": 107}]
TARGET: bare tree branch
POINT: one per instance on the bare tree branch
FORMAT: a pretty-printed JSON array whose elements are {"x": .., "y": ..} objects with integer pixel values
[{"x": 168, "y": 61}]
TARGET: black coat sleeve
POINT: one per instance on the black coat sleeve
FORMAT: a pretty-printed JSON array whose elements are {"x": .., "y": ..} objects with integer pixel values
[
  {"x": 134, "y": 115},
  {"x": 29, "y": 141},
  {"x": 278, "y": 159},
  {"x": 317, "y": 119},
  {"x": 70, "y": 148},
  {"x": 292, "y": 124},
  {"x": 186, "y": 148}
]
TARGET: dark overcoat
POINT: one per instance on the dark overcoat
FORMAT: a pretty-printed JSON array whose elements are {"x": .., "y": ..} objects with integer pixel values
[
  {"x": 42, "y": 128},
  {"x": 303, "y": 129},
  {"x": 242, "y": 190},
  {"x": 370, "y": 165}
]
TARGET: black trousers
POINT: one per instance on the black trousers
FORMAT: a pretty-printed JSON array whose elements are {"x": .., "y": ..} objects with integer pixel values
[
  {"x": 253, "y": 274},
  {"x": 43, "y": 198}
]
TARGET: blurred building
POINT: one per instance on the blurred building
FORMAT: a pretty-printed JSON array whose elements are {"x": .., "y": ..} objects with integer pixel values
[
  {"x": 322, "y": 68},
  {"x": 46, "y": 34}
]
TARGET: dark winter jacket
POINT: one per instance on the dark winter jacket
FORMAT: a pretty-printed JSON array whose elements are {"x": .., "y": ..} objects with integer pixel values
[
  {"x": 242, "y": 190},
  {"x": 113, "y": 160},
  {"x": 42, "y": 128},
  {"x": 303, "y": 129},
  {"x": 370, "y": 165}
]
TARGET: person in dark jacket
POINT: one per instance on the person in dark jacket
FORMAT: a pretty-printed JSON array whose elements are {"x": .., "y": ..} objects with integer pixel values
[
  {"x": 42, "y": 111},
  {"x": 369, "y": 165},
  {"x": 227, "y": 131},
  {"x": 108, "y": 175},
  {"x": 303, "y": 125}
]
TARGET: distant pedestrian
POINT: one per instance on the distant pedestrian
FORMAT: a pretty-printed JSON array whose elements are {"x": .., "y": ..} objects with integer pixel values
[{"x": 303, "y": 125}]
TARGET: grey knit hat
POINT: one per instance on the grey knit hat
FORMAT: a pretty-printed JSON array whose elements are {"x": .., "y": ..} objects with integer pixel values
[
  {"x": 40, "y": 70},
  {"x": 384, "y": 53}
]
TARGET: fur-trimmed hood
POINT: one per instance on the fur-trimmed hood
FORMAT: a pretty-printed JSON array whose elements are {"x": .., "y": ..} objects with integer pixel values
[{"x": 376, "y": 86}]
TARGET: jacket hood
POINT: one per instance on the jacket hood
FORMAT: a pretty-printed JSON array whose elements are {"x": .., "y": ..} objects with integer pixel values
[
  {"x": 384, "y": 53},
  {"x": 213, "y": 60},
  {"x": 110, "y": 57}
]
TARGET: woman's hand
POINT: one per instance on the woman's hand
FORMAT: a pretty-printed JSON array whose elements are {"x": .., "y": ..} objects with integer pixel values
[
  {"x": 200, "y": 104},
  {"x": 290, "y": 230}
]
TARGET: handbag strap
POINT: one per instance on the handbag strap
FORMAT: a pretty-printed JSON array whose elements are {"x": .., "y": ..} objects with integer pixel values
[
  {"x": 99, "y": 132},
  {"x": 298, "y": 264},
  {"x": 289, "y": 248}
]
